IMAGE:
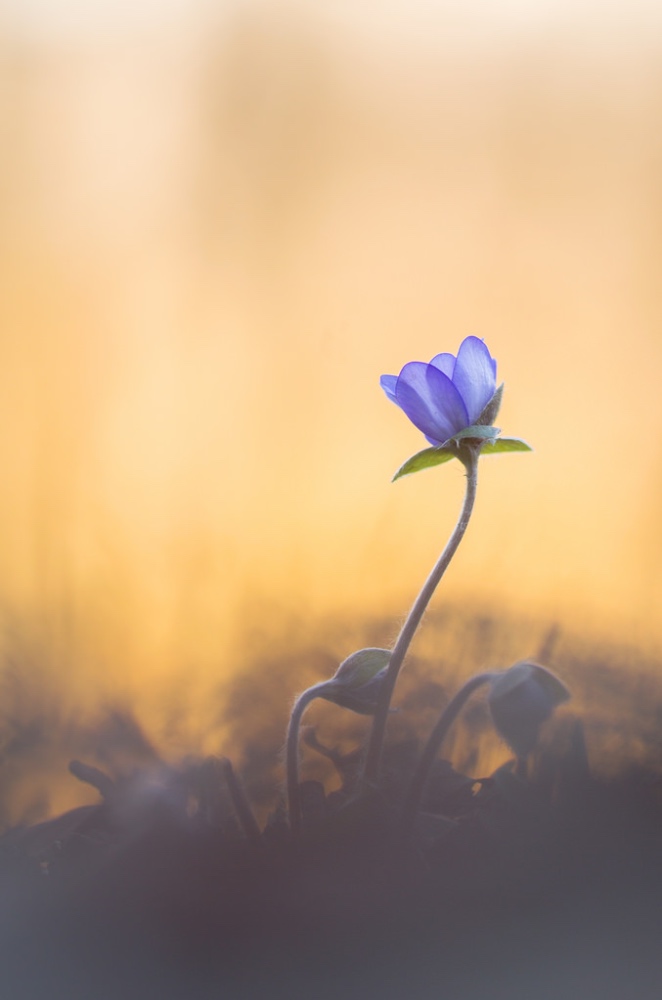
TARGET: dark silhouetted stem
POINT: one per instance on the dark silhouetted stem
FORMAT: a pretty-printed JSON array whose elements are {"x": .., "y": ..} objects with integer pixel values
[
  {"x": 374, "y": 752},
  {"x": 292, "y": 754},
  {"x": 241, "y": 804},
  {"x": 432, "y": 747},
  {"x": 93, "y": 776}
]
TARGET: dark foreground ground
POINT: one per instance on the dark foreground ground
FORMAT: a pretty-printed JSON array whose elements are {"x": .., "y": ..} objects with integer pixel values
[{"x": 547, "y": 888}]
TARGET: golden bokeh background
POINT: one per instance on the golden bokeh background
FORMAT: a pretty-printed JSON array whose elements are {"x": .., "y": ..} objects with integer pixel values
[{"x": 220, "y": 226}]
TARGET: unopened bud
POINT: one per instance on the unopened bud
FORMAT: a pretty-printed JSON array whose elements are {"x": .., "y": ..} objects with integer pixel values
[
  {"x": 361, "y": 699},
  {"x": 362, "y": 666},
  {"x": 521, "y": 699},
  {"x": 357, "y": 681}
]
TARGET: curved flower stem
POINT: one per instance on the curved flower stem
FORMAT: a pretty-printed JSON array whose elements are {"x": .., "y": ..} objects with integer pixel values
[
  {"x": 469, "y": 456},
  {"x": 292, "y": 754},
  {"x": 435, "y": 739}
]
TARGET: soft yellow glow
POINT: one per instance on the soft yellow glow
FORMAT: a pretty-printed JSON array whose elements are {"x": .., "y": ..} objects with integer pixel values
[{"x": 214, "y": 244}]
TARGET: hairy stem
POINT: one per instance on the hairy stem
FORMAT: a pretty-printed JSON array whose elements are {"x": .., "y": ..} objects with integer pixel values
[
  {"x": 374, "y": 752},
  {"x": 432, "y": 747},
  {"x": 292, "y": 754}
]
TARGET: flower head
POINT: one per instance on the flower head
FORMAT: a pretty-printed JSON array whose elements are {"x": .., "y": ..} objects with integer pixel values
[{"x": 448, "y": 395}]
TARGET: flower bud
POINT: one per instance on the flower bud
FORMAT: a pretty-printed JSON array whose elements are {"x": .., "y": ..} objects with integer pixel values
[
  {"x": 362, "y": 700},
  {"x": 361, "y": 666},
  {"x": 520, "y": 700},
  {"x": 356, "y": 683}
]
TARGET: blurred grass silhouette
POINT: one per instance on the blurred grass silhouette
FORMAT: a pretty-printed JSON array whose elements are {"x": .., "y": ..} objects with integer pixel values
[{"x": 615, "y": 692}]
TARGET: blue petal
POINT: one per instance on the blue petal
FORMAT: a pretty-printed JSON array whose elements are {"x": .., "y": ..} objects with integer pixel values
[
  {"x": 431, "y": 401},
  {"x": 475, "y": 376},
  {"x": 445, "y": 363},
  {"x": 388, "y": 383}
]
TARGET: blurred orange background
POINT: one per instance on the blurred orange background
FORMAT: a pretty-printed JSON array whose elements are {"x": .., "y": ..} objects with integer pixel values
[{"x": 220, "y": 227}]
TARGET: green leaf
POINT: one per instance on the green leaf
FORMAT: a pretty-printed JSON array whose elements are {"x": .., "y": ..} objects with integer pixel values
[
  {"x": 425, "y": 459},
  {"x": 500, "y": 445}
]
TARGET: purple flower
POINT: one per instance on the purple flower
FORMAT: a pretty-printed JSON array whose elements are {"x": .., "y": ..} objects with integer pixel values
[{"x": 449, "y": 394}]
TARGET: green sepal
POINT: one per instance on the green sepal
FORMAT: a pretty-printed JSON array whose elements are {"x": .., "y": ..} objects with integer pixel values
[
  {"x": 475, "y": 431},
  {"x": 500, "y": 445}
]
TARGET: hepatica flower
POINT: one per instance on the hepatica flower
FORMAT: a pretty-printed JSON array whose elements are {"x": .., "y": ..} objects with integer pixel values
[
  {"x": 447, "y": 395},
  {"x": 453, "y": 401}
]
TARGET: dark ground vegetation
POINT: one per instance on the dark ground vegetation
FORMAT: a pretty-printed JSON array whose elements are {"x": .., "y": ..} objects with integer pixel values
[{"x": 538, "y": 886}]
